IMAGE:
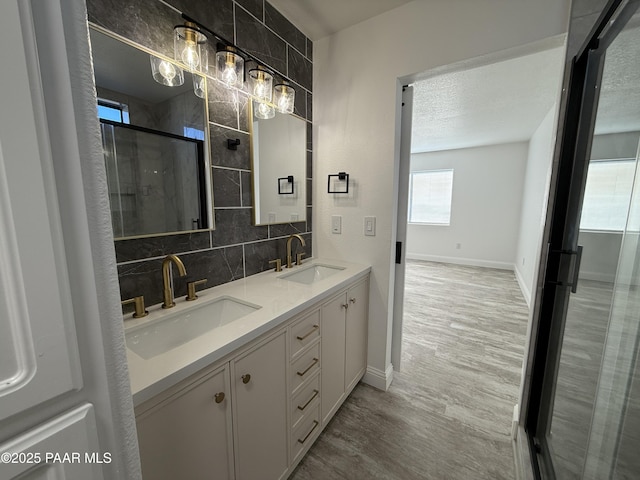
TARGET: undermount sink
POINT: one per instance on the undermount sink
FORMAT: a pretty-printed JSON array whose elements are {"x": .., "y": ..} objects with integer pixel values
[
  {"x": 154, "y": 338},
  {"x": 312, "y": 273}
]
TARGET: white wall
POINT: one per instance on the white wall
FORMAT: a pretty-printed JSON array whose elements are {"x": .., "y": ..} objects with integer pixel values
[
  {"x": 534, "y": 202},
  {"x": 485, "y": 206},
  {"x": 356, "y": 121}
]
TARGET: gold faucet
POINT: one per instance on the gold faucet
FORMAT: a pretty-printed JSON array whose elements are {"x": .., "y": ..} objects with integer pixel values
[
  {"x": 167, "y": 291},
  {"x": 291, "y": 237}
]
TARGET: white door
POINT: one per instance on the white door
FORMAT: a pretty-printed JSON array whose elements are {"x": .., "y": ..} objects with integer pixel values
[
  {"x": 401, "y": 224},
  {"x": 54, "y": 382}
]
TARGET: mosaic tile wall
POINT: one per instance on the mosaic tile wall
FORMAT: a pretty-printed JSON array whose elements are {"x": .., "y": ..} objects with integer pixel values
[{"x": 236, "y": 248}]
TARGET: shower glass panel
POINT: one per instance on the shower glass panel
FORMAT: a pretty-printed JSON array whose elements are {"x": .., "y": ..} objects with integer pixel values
[
  {"x": 156, "y": 181},
  {"x": 593, "y": 430}
]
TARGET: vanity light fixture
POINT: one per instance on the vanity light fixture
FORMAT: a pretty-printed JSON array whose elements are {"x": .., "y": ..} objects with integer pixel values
[
  {"x": 263, "y": 110},
  {"x": 230, "y": 66},
  {"x": 165, "y": 72},
  {"x": 190, "y": 47},
  {"x": 260, "y": 82},
  {"x": 285, "y": 97}
]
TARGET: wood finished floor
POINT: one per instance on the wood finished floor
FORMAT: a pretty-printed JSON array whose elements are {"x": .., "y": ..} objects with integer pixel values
[{"x": 448, "y": 413}]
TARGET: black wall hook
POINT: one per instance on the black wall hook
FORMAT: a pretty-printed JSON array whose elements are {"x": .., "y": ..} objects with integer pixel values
[{"x": 233, "y": 144}]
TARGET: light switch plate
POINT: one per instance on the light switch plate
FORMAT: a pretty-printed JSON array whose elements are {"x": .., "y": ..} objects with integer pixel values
[
  {"x": 370, "y": 226},
  {"x": 336, "y": 224}
]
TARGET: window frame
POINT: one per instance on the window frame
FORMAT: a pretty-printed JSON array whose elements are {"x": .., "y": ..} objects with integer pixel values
[{"x": 411, "y": 198}]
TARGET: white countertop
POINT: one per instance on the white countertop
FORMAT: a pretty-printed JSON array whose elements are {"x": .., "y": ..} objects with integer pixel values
[{"x": 279, "y": 300}]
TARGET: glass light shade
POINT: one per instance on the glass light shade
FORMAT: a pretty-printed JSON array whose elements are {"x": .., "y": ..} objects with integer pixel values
[
  {"x": 190, "y": 48},
  {"x": 230, "y": 68},
  {"x": 260, "y": 84},
  {"x": 199, "y": 86},
  {"x": 165, "y": 72},
  {"x": 285, "y": 97},
  {"x": 263, "y": 110}
]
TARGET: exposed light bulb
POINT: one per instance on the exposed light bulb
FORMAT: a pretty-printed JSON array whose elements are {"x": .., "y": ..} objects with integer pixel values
[
  {"x": 260, "y": 89},
  {"x": 229, "y": 76},
  {"x": 167, "y": 70},
  {"x": 190, "y": 56},
  {"x": 284, "y": 103},
  {"x": 263, "y": 108}
]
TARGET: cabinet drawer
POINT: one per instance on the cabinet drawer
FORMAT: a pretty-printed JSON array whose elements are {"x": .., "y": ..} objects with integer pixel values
[
  {"x": 304, "y": 332},
  {"x": 305, "y": 400},
  {"x": 305, "y": 366},
  {"x": 305, "y": 433}
]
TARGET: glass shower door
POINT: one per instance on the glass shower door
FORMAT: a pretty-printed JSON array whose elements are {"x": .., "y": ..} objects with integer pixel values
[{"x": 592, "y": 422}]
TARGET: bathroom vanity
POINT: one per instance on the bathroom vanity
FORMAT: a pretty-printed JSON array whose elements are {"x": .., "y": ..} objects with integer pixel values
[{"x": 247, "y": 397}]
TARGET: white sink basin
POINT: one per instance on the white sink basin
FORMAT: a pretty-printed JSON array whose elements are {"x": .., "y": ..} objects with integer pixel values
[
  {"x": 154, "y": 338},
  {"x": 312, "y": 273}
]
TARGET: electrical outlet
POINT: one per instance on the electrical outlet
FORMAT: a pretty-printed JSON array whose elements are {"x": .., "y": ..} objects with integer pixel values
[{"x": 336, "y": 224}]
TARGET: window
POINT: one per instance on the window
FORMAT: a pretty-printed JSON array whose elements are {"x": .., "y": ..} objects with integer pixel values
[
  {"x": 114, "y": 111},
  {"x": 607, "y": 195},
  {"x": 430, "y": 197}
]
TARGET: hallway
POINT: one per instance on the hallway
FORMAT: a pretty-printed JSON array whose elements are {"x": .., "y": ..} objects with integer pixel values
[{"x": 448, "y": 413}]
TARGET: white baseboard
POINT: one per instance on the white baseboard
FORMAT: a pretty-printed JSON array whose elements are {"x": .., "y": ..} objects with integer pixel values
[
  {"x": 526, "y": 293},
  {"x": 597, "y": 276},
  {"x": 461, "y": 261},
  {"x": 379, "y": 379}
]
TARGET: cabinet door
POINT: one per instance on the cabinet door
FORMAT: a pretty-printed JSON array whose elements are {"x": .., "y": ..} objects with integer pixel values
[
  {"x": 333, "y": 355},
  {"x": 260, "y": 411},
  {"x": 356, "y": 334},
  {"x": 189, "y": 434}
]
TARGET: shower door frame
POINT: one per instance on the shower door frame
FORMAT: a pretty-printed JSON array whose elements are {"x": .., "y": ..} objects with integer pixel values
[{"x": 561, "y": 259}]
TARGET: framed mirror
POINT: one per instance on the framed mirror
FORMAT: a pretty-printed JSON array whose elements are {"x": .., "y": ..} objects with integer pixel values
[
  {"x": 155, "y": 140},
  {"x": 278, "y": 155}
]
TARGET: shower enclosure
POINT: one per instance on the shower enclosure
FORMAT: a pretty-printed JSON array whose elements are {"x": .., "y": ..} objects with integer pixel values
[
  {"x": 156, "y": 180},
  {"x": 583, "y": 420}
]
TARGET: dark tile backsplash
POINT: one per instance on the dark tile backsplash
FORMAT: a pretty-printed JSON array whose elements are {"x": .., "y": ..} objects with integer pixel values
[{"x": 236, "y": 248}]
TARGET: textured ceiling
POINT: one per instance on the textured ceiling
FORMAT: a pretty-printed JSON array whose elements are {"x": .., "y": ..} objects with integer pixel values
[
  {"x": 320, "y": 18},
  {"x": 619, "y": 105},
  {"x": 497, "y": 103}
]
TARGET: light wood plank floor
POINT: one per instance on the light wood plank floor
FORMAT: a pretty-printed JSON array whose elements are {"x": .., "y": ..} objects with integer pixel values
[{"x": 448, "y": 413}]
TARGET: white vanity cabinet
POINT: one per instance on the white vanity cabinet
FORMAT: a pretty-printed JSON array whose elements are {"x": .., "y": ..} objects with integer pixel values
[
  {"x": 256, "y": 411},
  {"x": 344, "y": 345},
  {"x": 260, "y": 411},
  {"x": 187, "y": 433}
]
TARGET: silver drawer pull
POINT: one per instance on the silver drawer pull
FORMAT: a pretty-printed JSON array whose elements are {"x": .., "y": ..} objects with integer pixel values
[
  {"x": 315, "y": 327},
  {"x": 315, "y": 394},
  {"x": 315, "y": 424},
  {"x": 315, "y": 360}
]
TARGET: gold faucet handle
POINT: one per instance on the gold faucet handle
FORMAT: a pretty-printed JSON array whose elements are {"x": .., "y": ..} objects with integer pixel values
[
  {"x": 138, "y": 303},
  {"x": 278, "y": 263},
  {"x": 299, "y": 258},
  {"x": 191, "y": 289}
]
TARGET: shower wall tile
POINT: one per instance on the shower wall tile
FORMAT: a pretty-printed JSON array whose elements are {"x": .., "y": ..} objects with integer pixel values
[
  {"x": 309, "y": 106},
  {"x": 283, "y": 27},
  {"x": 309, "y": 164},
  {"x": 236, "y": 247},
  {"x": 260, "y": 42}
]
